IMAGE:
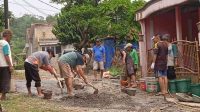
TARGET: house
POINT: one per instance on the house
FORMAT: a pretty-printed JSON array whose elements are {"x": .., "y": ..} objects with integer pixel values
[
  {"x": 178, "y": 18},
  {"x": 39, "y": 37}
]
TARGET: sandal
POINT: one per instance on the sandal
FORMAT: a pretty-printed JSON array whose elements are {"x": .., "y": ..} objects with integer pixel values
[
  {"x": 94, "y": 80},
  {"x": 159, "y": 93},
  {"x": 133, "y": 86}
]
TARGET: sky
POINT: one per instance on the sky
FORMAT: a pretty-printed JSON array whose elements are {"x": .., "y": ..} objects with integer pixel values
[{"x": 34, "y": 7}]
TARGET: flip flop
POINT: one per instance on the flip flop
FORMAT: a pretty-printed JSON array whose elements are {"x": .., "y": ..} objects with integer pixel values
[
  {"x": 159, "y": 93},
  {"x": 134, "y": 86},
  {"x": 94, "y": 80}
]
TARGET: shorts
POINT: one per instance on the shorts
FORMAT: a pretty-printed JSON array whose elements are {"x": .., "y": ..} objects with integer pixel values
[
  {"x": 5, "y": 77},
  {"x": 65, "y": 70},
  {"x": 160, "y": 73},
  {"x": 171, "y": 73},
  {"x": 98, "y": 65}
]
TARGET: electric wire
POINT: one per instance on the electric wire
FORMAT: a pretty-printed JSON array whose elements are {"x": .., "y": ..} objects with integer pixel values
[
  {"x": 16, "y": 3},
  {"x": 48, "y": 4},
  {"x": 35, "y": 8}
]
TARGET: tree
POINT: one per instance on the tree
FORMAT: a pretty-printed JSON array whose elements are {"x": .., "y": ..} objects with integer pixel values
[
  {"x": 19, "y": 26},
  {"x": 81, "y": 20},
  {"x": 51, "y": 19}
]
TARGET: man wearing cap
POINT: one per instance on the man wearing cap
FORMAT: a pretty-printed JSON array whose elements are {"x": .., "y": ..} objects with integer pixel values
[
  {"x": 40, "y": 59},
  {"x": 69, "y": 62},
  {"x": 6, "y": 65},
  {"x": 99, "y": 58}
]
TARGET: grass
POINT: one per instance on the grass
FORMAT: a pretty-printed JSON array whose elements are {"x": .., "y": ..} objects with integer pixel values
[
  {"x": 22, "y": 103},
  {"x": 19, "y": 75}
]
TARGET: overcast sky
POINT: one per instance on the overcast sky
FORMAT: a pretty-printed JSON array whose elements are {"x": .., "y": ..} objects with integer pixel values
[{"x": 34, "y": 7}]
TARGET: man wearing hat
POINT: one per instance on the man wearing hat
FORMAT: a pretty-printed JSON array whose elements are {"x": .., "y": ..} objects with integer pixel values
[
  {"x": 99, "y": 58},
  {"x": 40, "y": 59},
  {"x": 129, "y": 62},
  {"x": 69, "y": 63}
]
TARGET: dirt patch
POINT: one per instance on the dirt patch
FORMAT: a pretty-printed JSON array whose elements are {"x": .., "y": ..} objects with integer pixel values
[{"x": 109, "y": 99}]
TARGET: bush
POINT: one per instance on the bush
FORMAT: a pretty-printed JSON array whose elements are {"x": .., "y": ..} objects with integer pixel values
[{"x": 115, "y": 71}]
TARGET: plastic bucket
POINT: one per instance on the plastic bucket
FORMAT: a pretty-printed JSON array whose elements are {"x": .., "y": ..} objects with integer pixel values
[
  {"x": 172, "y": 86},
  {"x": 195, "y": 89},
  {"x": 151, "y": 85},
  {"x": 142, "y": 84},
  {"x": 183, "y": 85}
]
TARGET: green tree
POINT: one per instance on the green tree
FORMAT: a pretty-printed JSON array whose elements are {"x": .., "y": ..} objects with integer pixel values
[
  {"x": 81, "y": 20},
  {"x": 19, "y": 26}
]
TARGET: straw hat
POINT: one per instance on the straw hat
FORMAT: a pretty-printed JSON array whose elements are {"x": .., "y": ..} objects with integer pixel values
[{"x": 128, "y": 45}]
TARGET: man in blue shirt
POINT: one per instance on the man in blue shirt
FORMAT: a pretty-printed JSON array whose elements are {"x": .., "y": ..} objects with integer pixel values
[{"x": 99, "y": 58}]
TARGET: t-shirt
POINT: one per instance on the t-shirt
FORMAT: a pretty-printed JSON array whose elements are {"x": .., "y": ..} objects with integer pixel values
[
  {"x": 162, "y": 52},
  {"x": 99, "y": 52},
  {"x": 39, "y": 58},
  {"x": 72, "y": 58},
  {"x": 134, "y": 56},
  {"x": 172, "y": 53},
  {"x": 4, "y": 51}
]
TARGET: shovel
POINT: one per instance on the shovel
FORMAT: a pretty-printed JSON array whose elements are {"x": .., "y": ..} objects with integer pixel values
[
  {"x": 96, "y": 91},
  {"x": 59, "y": 83}
]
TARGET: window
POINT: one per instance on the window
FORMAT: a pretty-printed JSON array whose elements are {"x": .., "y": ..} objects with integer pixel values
[
  {"x": 58, "y": 49},
  {"x": 43, "y": 48}
]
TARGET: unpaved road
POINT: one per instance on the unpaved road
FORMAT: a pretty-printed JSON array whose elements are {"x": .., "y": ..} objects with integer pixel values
[{"x": 109, "y": 99}]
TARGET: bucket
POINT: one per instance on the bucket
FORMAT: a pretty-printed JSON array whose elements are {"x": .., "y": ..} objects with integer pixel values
[
  {"x": 47, "y": 94},
  {"x": 183, "y": 85},
  {"x": 195, "y": 89},
  {"x": 151, "y": 85},
  {"x": 142, "y": 84},
  {"x": 172, "y": 86}
]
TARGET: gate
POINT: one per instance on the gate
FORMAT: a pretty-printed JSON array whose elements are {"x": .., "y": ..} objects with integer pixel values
[{"x": 188, "y": 60}]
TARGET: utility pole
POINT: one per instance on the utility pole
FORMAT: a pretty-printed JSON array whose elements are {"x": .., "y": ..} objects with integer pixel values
[{"x": 6, "y": 13}]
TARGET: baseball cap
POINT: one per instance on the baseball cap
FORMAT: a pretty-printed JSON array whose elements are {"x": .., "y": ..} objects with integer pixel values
[
  {"x": 51, "y": 51},
  {"x": 98, "y": 40},
  {"x": 153, "y": 37}
]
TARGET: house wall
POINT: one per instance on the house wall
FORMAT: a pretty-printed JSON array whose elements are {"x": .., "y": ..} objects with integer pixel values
[
  {"x": 189, "y": 28},
  {"x": 165, "y": 23},
  {"x": 41, "y": 36},
  {"x": 44, "y": 32}
]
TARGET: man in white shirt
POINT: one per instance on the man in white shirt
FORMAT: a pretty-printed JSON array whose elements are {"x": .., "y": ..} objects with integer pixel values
[{"x": 6, "y": 66}]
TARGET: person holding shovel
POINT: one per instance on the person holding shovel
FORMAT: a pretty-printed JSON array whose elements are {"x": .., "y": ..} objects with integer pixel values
[
  {"x": 69, "y": 63},
  {"x": 40, "y": 59},
  {"x": 6, "y": 66}
]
